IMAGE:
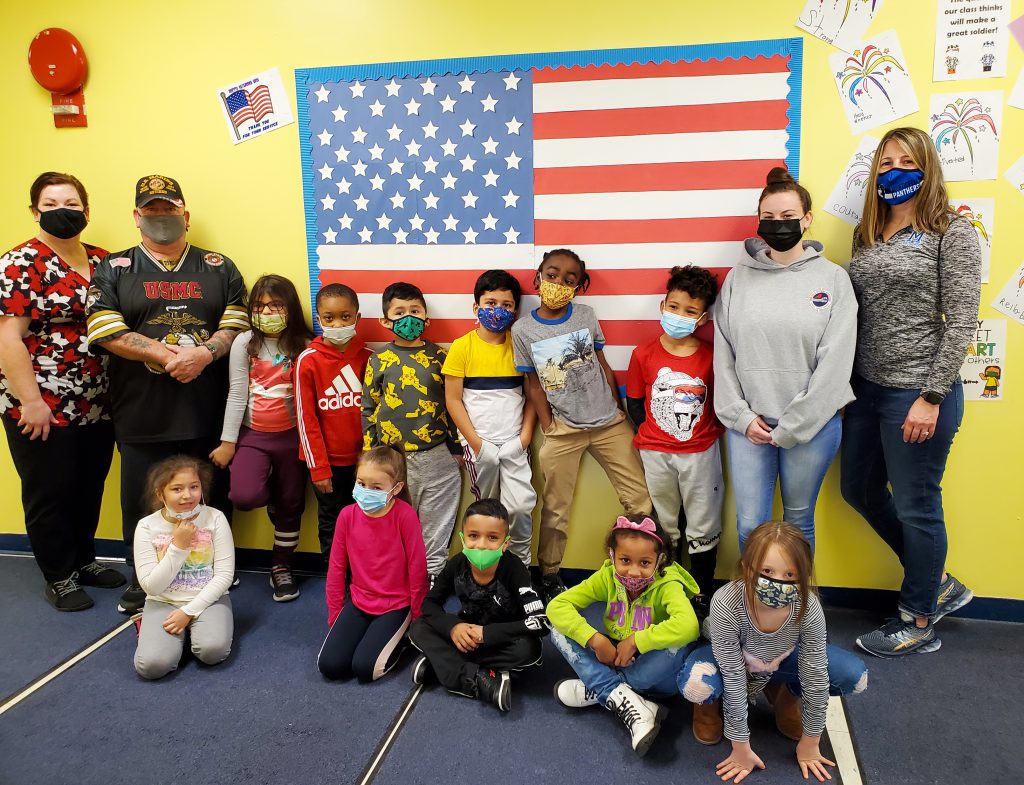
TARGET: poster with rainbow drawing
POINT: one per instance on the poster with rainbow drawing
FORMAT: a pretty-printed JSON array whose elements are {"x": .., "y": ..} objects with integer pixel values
[
  {"x": 981, "y": 214},
  {"x": 873, "y": 82},
  {"x": 965, "y": 128}
]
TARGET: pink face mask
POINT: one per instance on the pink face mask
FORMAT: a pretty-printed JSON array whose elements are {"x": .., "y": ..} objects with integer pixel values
[{"x": 634, "y": 585}]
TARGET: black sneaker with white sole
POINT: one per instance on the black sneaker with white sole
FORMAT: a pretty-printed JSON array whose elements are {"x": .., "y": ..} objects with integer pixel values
[
  {"x": 67, "y": 595},
  {"x": 283, "y": 583},
  {"x": 95, "y": 574},
  {"x": 494, "y": 687},
  {"x": 132, "y": 600},
  {"x": 422, "y": 672},
  {"x": 550, "y": 587}
]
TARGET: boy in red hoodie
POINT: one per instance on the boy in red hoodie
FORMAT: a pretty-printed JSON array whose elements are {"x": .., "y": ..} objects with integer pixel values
[{"x": 328, "y": 398}]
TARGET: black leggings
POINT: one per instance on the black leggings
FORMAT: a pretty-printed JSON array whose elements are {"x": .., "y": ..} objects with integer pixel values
[{"x": 362, "y": 644}]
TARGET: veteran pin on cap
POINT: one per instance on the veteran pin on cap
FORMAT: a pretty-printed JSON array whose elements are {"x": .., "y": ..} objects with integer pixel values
[{"x": 156, "y": 186}]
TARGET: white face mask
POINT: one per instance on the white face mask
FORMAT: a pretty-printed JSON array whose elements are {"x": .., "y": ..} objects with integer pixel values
[
  {"x": 187, "y": 515},
  {"x": 339, "y": 334}
]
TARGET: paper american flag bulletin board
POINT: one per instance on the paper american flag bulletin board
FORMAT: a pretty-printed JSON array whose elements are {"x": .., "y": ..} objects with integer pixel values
[{"x": 638, "y": 159}]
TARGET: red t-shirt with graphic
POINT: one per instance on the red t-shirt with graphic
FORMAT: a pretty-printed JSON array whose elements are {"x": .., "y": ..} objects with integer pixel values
[{"x": 677, "y": 393}]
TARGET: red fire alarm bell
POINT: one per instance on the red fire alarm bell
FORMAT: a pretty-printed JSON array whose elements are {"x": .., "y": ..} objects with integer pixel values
[{"x": 58, "y": 63}]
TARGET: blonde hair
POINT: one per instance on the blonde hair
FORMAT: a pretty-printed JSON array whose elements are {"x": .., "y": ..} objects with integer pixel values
[
  {"x": 795, "y": 548},
  {"x": 932, "y": 212}
]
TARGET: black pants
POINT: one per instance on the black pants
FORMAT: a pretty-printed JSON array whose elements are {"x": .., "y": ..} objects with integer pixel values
[
  {"x": 455, "y": 670},
  {"x": 138, "y": 458},
  {"x": 361, "y": 644},
  {"x": 329, "y": 505},
  {"x": 61, "y": 490}
]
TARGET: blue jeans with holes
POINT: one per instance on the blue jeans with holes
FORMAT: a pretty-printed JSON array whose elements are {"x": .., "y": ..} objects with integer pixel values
[
  {"x": 908, "y": 517},
  {"x": 847, "y": 674},
  {"x": 800, "y": 470},
  {"x": 654, "y": 673}
]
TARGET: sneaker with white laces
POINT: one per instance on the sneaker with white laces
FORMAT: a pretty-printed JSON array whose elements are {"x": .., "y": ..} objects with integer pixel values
[
  {"x": 67, "y": 595},
  {"x": 953, "y": 595},
  {"x": 283, "y": 583},
  {"x": 573, "y": 694},
  {"x": 421, "y": 671},
  {"x": 96, "y": 574},
  {"x": 898, "y": 637},
  {"x": 641, "y": 717}
]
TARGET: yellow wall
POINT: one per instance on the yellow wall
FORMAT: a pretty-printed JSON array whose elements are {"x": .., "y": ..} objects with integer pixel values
[{"x": 154, "y": 69}]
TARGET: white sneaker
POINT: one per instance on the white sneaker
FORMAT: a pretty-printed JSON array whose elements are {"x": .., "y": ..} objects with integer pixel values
[
  {"x": 640, "y": 716},
  {"x": 573, "y": 694}
]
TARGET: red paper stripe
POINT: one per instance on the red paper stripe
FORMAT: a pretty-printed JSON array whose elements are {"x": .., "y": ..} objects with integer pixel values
[
  {"x": 695, "y": 176},
  {"x": 662, "y": 230},
  {"x": 745, "y": 65}
]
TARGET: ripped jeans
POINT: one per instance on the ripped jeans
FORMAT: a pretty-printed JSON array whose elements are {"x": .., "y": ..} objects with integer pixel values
[
  {"x": 701, "y": 682},
  {"x": 654, "y": 673}
]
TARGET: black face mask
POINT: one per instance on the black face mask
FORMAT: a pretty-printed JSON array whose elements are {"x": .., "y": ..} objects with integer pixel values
[
  {"x": 780, "y": 235},
  {"x": 63, "y": 222}
]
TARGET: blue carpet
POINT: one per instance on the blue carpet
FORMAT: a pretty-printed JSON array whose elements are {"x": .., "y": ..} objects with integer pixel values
[{"x": 35, "y": 636}]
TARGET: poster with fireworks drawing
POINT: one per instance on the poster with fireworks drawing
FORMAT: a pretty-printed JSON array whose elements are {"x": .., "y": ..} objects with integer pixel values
[
  {"x": 847, "y": 199},
  {"x": 984, "y": 368},
  {"x": 841, "y": 23},
  {"x": 965, "y": 129},
  {"x": 1015, "y": 176},
  {"x": 873, "y": 82},
  {"x": 971, "y": 39},
  {"x": 981, "y": 214},
  {"x": 1011, "y": 299}
]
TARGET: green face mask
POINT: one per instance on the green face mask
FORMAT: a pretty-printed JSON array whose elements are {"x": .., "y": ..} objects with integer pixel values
[
  {"x": 270, "y": 324},
  {"x": 481, "y": 558}
]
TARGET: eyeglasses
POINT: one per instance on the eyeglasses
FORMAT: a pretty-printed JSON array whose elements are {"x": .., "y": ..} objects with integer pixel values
[{"x": 274, "y": 306}]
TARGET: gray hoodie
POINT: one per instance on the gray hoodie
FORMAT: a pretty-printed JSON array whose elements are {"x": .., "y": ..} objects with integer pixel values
[{"x": 785, "y": 337}]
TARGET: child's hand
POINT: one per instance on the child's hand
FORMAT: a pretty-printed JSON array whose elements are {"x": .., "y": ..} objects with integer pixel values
[
  {"x": 176, "y": 621},
  {"x": 625, "y": 652},
  {"x": 462, "y": 637},
  {"x": 742, "y": 761},
  {"x": 460, "y": 460},
  {"x": 182, "y": 536},
  {"x": 811, "y": 760},
  {"x": 223, "y": 455},
  {"x": 603, "y": 648},
  {"x": 324, "y": 486}
]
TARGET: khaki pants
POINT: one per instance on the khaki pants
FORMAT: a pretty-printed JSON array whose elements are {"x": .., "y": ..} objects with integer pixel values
[{"x": 612, "y": 447}]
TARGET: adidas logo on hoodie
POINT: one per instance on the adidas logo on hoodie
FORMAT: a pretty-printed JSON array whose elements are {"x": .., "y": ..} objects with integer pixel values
[{"x": 346, "y": 390}]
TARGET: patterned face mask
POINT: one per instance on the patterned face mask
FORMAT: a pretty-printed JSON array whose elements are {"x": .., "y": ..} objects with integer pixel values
[
  {"x": 409, "y": 327},
  {"x": 497, "y": 320},
  {"x": 774, "y": 593},
  {"x": 270, "y": 324},
  {"x": 556, "y": 295}
]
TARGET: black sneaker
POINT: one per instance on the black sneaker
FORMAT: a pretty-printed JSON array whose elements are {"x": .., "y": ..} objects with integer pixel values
[
  {"x": 67, "y": 595},
  {"x": 95, "y": 574},
  {"x": 283, "y": 584},
  {"x": 551, "y": 586},
  {"x": 494, "y": 687},
  {"x": 133, "y": 599},
  {"x": 235, "y": 582},
  {"x": 421, "y": 671}
]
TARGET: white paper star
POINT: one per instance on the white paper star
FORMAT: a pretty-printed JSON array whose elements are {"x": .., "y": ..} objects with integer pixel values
[
  {"x": 449, "y": 181},
  {"x": 322, "y": 95},
  {"x": 428, "y": 87},
  {"x": 430, "y": 201},
  {"x": 383, "y": 222},
  {"x": 357, "y": 89},
  {"x": 513, "y": 126},
  {"x": 469, "y": 199},
  {"x": 470, "y": 235},
  {"x": 339, "y": 114},
  {"x": 467, "y": 128},
  {"x": 447, "y": 104},
  {"x": 412, "y": 107},
  {"x": 328, "y": 202},
  {"x": 345, "y": 221},
  {"x": 376, "y": 152},
  {"x": 490, "y": 222},
  {"x": 449, "y": 147},
  {"x": 430, "y": 165},
  {"x": 361, "y": 202},
  {"x": 398, "y": 201},
  {"x": 467, "y": 164},
  {"x": 490, "y": 146},
  {"x": 343, "y": 186},
  {"x": 511, "y": 81},
  {"x": 451, "y": 223},
  {"x": 377, "y": 182},
  {"x": 365, "y": 235},
  {"x": 413, "y": 148},
  {"x": 430, "y": 131},
  {"x": 324, "y": 137},
  {"x": 392, "y": 87},
  {"x": 359, "y": 168},
  {"x": 510, "y": 198},
  {"x": 377, "y": 109},
  {"x": 396, "y": 166},
  {"x": 359, "y": 136},
  {"x": 342, "y": 154},
  {"x": 414, "y": 182},
  {"x": 416, "y": 223},
  {"x": 394, "y": 133},
  {"x": 491, "y": 178},
  {"x": 400, "y": 235},
  {"x": 431, "y": 236},
  {"x": 511, "y": 236},
  {"x": 330, "y": 235},
  {"x": 325, "y": 172},
  {"x": 512, "y": 161},
  {"x": 489, "y": 103},
  {"x": 466, "y": 85}
]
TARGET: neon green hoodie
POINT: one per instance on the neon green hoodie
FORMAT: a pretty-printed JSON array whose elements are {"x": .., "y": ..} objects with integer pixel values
[{"x": 660, "y": 618}]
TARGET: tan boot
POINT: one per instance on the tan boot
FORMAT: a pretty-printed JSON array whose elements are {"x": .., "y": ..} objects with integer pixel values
[
  {"x": 788, "y": 718},
  {"x": 707, "y": 722}
]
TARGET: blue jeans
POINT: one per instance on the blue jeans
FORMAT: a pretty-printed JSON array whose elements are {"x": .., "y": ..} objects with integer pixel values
[
  {"x": 908, "y": 518},
  {"x": 800, "y": 471},
  {"x": 654, "y": 673},
  {"x": 701, "y": 682}
]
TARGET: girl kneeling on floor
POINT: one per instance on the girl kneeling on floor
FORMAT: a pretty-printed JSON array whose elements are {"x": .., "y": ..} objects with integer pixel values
[
  {"x": 379, "y": 541},
  {"x": 648, "y": 626},
  {"x": 767, "y": 633},
  {"x": 185, "y": 561}
]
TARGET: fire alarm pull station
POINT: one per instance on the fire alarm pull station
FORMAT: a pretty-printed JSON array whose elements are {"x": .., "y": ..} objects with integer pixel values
[{"x": 58, "y": 63}]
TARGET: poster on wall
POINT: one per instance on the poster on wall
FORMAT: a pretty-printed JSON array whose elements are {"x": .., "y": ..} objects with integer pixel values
[
  {"x": 981, "y": 214},
  {"x": 255, "y": 106},
  {"x": 841, "y": 23},
  {"x": 435, "y": 171},
  {"x": 874, "y": 85},
  {"x": 971, "y": 39},
  {"x": 1015, "y": 176},
  {"x": 984, "y": 366},
  {"x": 965, "y": 129},
  {"x": 1011, "y": 299},
  {"x": 1017, "y": 28},
  {"x": 847, "y": 198},
  {"x": 1016, "y": 98}
]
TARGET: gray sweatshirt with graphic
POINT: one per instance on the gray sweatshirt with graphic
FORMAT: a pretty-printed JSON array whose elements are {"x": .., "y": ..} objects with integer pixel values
[{"x": 785, "y": 337}]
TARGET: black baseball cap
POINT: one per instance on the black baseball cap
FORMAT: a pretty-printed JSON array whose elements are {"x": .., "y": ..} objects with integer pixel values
[{"x": 157, "y": 186}]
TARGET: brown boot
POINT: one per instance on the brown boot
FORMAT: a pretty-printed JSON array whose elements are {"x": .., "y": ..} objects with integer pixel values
[
  {"x": 707, "y": 722},
  {"x": 788, "y": 718}
]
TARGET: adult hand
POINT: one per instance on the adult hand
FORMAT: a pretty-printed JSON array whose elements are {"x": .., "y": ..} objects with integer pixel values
[
  {"x": 603, "y": 648},
  {"x": 324, "y": 486},
  {"x": 189, "y": 362},
  {"x": 740, "y": 763},
  {"x": 176, "y": 621},
  {"x": 36, "y": 419},
  {"x": 811, "y": 760},
  {"x": 920, "y": 423},
  {"x": 223, "y": 455},
  {"x": 463, "y": 638},
  {"x": 625, "y": 652},
  {"x": 182, "y": 536},
  {"x": 759, "y": 432}
]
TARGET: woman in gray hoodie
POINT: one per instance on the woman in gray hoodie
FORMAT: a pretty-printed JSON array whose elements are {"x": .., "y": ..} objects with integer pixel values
[{"x": 785, "y": 336}]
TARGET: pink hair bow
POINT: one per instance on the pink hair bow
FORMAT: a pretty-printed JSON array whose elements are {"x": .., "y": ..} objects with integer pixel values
[{"x": 646, "y": 525}]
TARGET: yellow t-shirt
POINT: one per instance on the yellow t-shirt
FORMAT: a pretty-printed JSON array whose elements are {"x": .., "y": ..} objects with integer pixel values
[{"x": 492, "y": 388}]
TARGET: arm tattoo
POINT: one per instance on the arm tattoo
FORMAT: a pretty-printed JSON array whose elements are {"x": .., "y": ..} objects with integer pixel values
[{"x": 221, "y": 341}]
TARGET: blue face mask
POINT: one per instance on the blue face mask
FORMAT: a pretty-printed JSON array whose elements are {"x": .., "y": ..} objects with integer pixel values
[
  {"x": 898, "y": 185},
  {"x": 678, "y": 326},
  {"x": 371, "y": 499},
  {"x": 497, "y": 320}
]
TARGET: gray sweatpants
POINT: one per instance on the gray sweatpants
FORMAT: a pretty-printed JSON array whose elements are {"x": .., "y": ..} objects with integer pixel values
[
  {"x": 695, "y": 480},
  {"x": 435, "y": 484},
  {"x": 503, "y": 472},
  {"x": 158, "y": 651}
]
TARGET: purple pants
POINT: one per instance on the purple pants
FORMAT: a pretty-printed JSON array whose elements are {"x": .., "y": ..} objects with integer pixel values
[{"x": 267, "y": 472}]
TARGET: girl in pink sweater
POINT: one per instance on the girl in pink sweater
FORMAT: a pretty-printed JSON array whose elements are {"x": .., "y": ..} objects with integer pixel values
[{"x": 378, "y": 539}]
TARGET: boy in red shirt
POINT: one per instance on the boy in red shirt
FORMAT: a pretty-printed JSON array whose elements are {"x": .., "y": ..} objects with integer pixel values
[
  {"x": 328, "y": 401},
  {"x": 669, "y": 398}
]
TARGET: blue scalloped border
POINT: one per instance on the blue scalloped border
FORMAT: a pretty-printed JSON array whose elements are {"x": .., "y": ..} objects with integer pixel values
[{"x": 305, "y": 78}]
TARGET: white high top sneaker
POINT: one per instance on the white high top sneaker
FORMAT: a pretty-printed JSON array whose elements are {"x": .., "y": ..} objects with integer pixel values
[{"x": 641, "y": 716}]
